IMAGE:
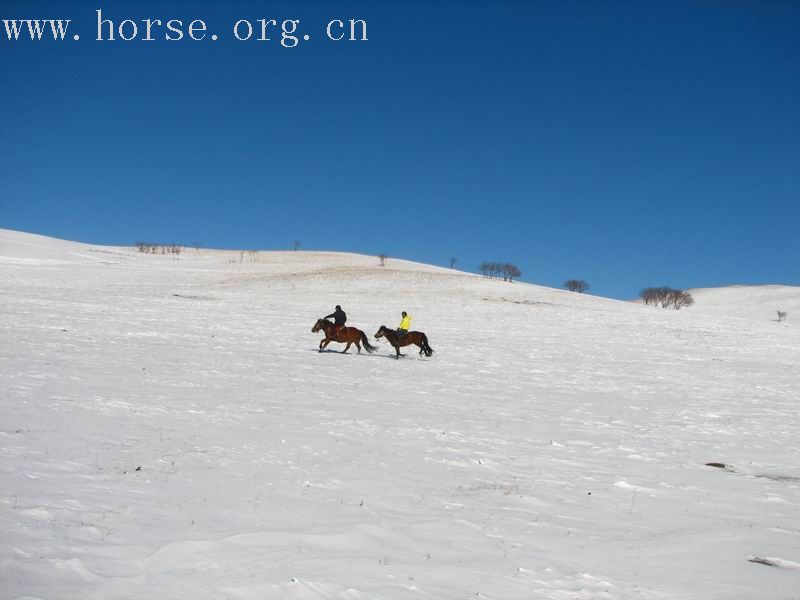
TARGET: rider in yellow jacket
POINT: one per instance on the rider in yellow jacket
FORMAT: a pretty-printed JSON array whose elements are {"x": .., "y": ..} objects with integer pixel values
[{"x": 405, "y": 324}]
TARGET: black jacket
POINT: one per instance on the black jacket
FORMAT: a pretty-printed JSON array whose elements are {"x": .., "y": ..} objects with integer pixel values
[{"x": 339, "y": 318}]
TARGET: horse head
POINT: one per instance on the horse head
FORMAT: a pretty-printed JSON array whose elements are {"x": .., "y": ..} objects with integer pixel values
[
  {"x": 382, "y": 332},
  {"x": 320, "y": 324}
]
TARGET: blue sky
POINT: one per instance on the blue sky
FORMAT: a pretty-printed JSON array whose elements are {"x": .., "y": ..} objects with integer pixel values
[{"x": 629, "y": 144}]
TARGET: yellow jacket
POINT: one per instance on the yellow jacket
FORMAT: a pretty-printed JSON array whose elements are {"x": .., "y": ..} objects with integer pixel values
[{"x": 405, "y": 323}]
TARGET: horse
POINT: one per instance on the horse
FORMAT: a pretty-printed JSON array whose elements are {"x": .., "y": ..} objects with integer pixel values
[
  {"x": 412, "y": 337},
  {"x": 347, "y": 335}
]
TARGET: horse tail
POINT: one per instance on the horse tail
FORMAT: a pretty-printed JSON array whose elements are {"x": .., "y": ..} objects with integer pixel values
[
  {"x": 365, "y": 342},
  {"x": 426, "y": 347}
]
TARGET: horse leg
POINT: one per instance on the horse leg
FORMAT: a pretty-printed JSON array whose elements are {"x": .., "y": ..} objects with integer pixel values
[
  {"x": 358, "y": 345},
  {"x": 397, "y": 349},
  {"x": 347, "y": 347},
  {"x": 322, "y": 341},
  {"x": 325, "y": 343}
]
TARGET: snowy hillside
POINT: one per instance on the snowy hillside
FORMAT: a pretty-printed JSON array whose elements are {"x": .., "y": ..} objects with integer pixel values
[
  {"x": 168, "y": 430},
  {"x": 748, "y": 301}
]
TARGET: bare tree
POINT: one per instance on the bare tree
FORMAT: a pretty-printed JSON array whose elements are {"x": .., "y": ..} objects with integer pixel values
[
  {"x": 666, "y": 297},
  {"x": 496, "y": 269},
  {"x": 649, "y": 295},
  {"x": 490, "y": 269},
  {"x": 576, "y": 285},
  {"x": 510, "y": 271},
  {"x": 383, "y": 258},
  {"x": 453, "y": 262},
  {"x": 680, "y": 299},
  {"x": 657, "y": 295}
]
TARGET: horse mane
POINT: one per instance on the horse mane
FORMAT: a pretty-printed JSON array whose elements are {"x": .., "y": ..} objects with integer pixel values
[{"x": 326, "y": 322}]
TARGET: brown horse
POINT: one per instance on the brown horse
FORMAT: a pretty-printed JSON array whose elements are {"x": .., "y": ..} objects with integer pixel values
[
  {"x": 412, "y": 337},
  {"x": 346, "y": 335}
]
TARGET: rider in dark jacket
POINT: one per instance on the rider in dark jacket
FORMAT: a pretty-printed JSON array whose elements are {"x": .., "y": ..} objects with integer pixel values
[{"x": 339, "y": 319}]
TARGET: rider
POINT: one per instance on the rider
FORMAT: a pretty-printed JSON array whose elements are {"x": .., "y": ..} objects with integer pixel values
[
  {"x": 405, "y": 324},
  {"x": 339, "y": 319}
]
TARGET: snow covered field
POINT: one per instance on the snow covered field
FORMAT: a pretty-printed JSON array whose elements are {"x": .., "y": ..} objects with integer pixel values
[
  {"x": 168, "y": 430},
  {"x": 748, "y": 301}
]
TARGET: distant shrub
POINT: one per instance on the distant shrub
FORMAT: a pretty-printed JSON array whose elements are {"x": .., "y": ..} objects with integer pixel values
[
  {"x": 496, "y": 269},
  {"x": 576, "y": 285},
  {"x": 782, "y": 315},
  {"x": 666, "y": 297},
  {"x": 383, "y": 258},
  {"x": 244, "y": 255},
  {"x": 147, "y": 248}
]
